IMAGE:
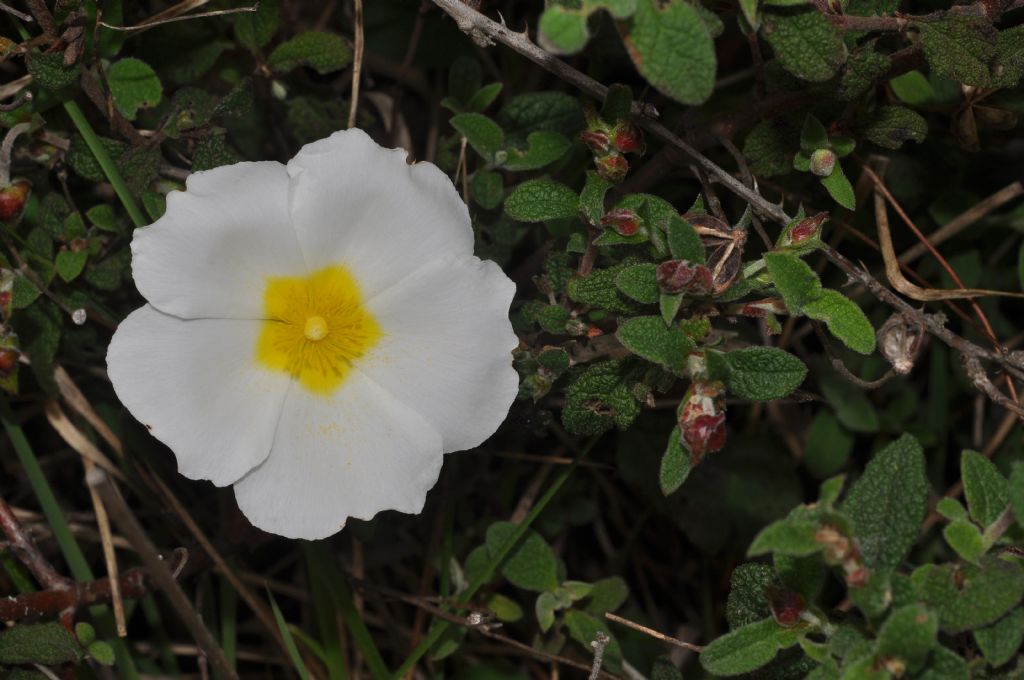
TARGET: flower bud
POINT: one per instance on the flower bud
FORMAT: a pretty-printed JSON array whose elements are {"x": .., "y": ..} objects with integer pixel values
[
  {"x": 612, "y": 167},
  {"x": 8, "y": 361},
  {"x": 625, "y": 222},
  {"x": 823, "y": 162},
  {"x": 677, "y": 276},
  {"x": 803, "y": 231},
  {"x": 702, "y": 419},
  {"x": 13, "y": 198},
  {"x": 627, "y": 138},
  {"x": 786, "y": 605},
  {"x": 596, "y": 140}
]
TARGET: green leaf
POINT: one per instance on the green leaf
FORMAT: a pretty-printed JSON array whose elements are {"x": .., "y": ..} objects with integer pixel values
[
  {"x": 910, "y": 633},
  {"x": 1000, "y": 641},
  {"x": 862, "y": 69},
  {"x": 70, "y": 263},
  {"x": 748, "y": 648},
  {"x": 482, "y": 133},
  {"x": 255, "y": 29},
  {"x": 668, "y": 305},
  {"x": 950, "y": 508},
  {"x": 563, "y": 25},
  {"x": 134, "y": 85},
  {"x": 484, "y": 97},
  {"x": 531, "y": 565},
  {"x": 323, "y": 52},
  {"x": 960, "y": 47},
  {"x": 887, "y": 504},
  {"x": 599, "y": 399},
  {"x": 538, "y": 200},
  {"x": 683, "y": 241},
  {"x": 794, "y": 535},
  {"x": 289, "y": 640},
  {"x": 102, "y": 653},
  {"x": 808, "y": 45},
  {"x": 49, "y": 72},
  {"x": 969, "y": 596},
  {"x": 47, "y": 644},
  {"x": 670, "y": 46},
  {"x": 664, "y": 669},
  {"x": 85, "y": 633},
  {"x": 839, "y": 188},
  {"x": 912, "y": 88},
  {"x": 747, "y": 586},
  {"x": 599, "y": 289},
  {"x": 487, "y": 189},
  {"x": 794, "y": 279},
  {"x": 544, "y": 147},
  {"x": 675, "y": 464},
  {"x": 813, "y": 135},
  {"x": 986, "y": 490},
  {"x": 844, "y": 319},
  {"x": 104, "y": 218},
  {"x": 639, "y": 282},
  {"x": 965, "y": 538},
  {"x": 1015, "y": 493},
  {"x": 828, "y": 445},
  {"x": 540, "y": 111},
  {"x": 945, "y": 664},
  {"x": 891, "y": 126},
  {"x": 213, "y": 151},
  {"x": 763, "y": 373},
  {"x": 648, "y": 337},
  {"x": 607, "y": 595},
  {"x": 852, "y": 407},
  {"x": 770, "y": 146},
  {"x": 592, "y": 197},
  {"x": 545, "y": 607},
  {"x": 583, "y": 628}
]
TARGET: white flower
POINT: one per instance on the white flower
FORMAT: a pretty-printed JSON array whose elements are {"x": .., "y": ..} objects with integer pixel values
[{"x": 317, "y": 334}]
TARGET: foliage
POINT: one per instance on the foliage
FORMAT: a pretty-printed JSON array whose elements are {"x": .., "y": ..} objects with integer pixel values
[{"x": 729, "y": 429}]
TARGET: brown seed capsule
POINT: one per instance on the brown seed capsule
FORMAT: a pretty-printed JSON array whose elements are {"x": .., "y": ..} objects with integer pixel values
[
  {"x": 624, "y": 222},
  {"x": 900, "y": 340}
]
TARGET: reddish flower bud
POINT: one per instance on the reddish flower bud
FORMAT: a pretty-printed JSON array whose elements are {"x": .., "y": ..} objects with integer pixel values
[
  {"x": 702, "y": 419},
  {"x": 612, "y": 167},
  {"x": 803, "y": 231},
  {"x": 627, "y": 138},
  {"x": 786, "y": 606},
  {"x": 677, "y": 276},
  {"x": 596, "y": 140},
  {"x": 625, "y": 222},
  {"x": 823, "y": 162},
  {"x": 13, "y": 198},
  {"x": 8, "y": 361},
  {"x": 857, "y": 578}
]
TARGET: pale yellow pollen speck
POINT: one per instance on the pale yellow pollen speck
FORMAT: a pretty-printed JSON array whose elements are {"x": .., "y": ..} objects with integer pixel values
[{"x": 315, "y": 327}]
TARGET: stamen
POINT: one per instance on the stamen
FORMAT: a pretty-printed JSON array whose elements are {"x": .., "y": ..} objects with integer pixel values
[{"x": 316, "y": 328}]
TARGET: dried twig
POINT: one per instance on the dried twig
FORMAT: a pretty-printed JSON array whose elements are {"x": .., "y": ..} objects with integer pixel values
[
  {"x": 982, "y": 382},
  {"x": 54, "y": 601},
  {"x": 26, "y": 551},
  {"x": 653, "y": 633},
  {"x": 157, "y": 21},
  {"x": 357, "y": 62},
  {"x": 10, "y": 10}
]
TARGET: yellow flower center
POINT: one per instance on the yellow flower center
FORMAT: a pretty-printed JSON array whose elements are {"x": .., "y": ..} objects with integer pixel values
[{"x": 315, "y": 327}]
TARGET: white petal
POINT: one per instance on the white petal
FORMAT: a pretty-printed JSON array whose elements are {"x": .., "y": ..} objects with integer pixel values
[
  {"x": 350, "y": 454},
  {"x": 360, "y": 205},
  {"x": 212, "y": 251},
  {"x": 446, "y": 347},
  {"x": 196, "y": 386}
]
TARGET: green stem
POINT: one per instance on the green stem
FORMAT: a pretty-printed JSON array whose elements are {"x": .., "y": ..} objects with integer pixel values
[
  {"x": 107, "y": 165},
  {"x": 440, "y": 626}
]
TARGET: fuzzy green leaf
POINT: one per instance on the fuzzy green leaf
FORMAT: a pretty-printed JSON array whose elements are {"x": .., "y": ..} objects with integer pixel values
[
  {"x": 648, "y": 337},
  {"x": 531, "y": 565},
  {"x": 845, "y": 320},
  {"x": 70, "y": 264},
  {"x": 675, "y": 464},
  {"x": 1015, "y": 493},
  {"x": 487, "y": 189},
  {"x": 986, "y": 490},
  {"x": 47, "y": 644},
  {"x": 134, "y": 85},
  {"x": 639, "y": 282},
  {"x": 969, "y": 596},
  {"x": 48, "y": 70},
  {"x": 255, "y": 29},
  {"x": 891, "y": 126},
  {"x": 748, "y": 648},
  {"x": 592, "y": 197},
  {"x": 599, "y": 399},
  {"x": 887, "y": 504},
  {"x": 794, "y": 535},
  {"x": 584, "y": 627},
  {"x": 540, "y": 111},
  {"x": 1000, "y": 641},
  {"x": 683, "y": 241},
  {"x": 763, "y": 373},
  {"x": 839, "y": 188},
  {"x": 321, "y": 51},
  {"x": 544, "y": 147},
  {"x": 672, "y": 49},
  {"x": 965, "y": 538},
  {"x": 960, "y": 47},
  {"x": 913, "y": 88},
  {"x": 599, "y": 289},
  {"x": 794, "y": 279},
  {"x": 482, "y": 133},
  {"x": 910, "y": 633},
  {"x": 747, "y": 586},
  {"x": 808, "y": 45},
  {"x": 541, "y": 199}
]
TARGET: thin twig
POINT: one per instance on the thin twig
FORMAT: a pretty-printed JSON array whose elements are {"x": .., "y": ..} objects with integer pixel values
[
  {"x": 159, "y": 570},
  {"x": 51, "y": 602},
  {"x": 10, "y": 10},
  {"x": 841, "y": 368},
  {"x": 25, "y": 549},
  {"x": 357, "y": 62},
  {"x": 965, "y": 219},
  {"x": 150, "y": 23},
  {"x": 982, "y": 382},
  {"x": 653, "y": 633},
  {"x": 599, "y": 644}
]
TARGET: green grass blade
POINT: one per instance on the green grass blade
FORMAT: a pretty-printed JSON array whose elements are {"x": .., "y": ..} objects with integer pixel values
[
  {"x": 289, "y": 641},
  {"x": 440, "y": 626},
  {"x": 342, "y": 597},
  {"x": 228, "y": 621},
  {"x": 325, "y": 614}
]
